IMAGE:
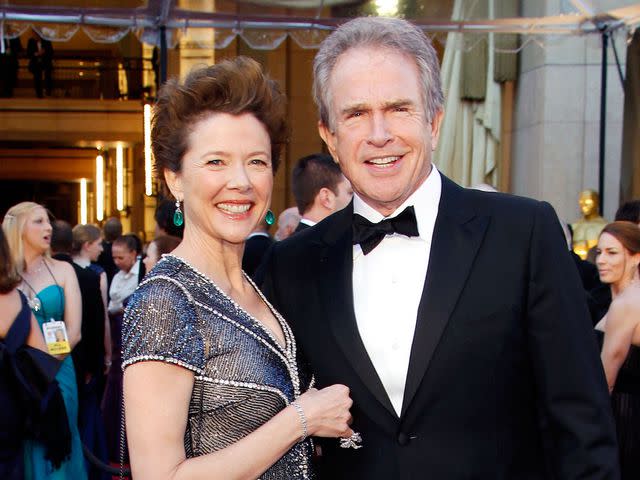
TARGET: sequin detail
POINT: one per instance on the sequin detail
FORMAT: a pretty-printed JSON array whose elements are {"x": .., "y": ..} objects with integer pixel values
[{"x": 243, "y": 375}]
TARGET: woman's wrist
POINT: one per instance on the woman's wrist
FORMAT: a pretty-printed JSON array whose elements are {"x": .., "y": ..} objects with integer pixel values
[{"x": 303, "y": 421}]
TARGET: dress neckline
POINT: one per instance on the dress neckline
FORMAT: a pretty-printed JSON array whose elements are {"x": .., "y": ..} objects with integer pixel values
[{"x": 289, "y": 343}]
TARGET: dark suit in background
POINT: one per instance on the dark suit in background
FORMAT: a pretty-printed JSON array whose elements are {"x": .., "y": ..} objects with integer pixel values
[
  {"x": 105, "y": 260},
  {"x": 301, "y": 227},
  {"x": 254, "y": 249}
]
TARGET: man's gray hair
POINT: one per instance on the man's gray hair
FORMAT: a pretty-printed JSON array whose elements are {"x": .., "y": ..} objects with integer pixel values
[{"x": 391, "y": 33}]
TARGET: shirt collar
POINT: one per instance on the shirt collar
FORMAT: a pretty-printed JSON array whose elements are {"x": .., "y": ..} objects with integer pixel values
[
  {"x": 258, "y": 234},
  {"x": 308, "y": 222},
  {"x": 81, "y": 262},
  {"x": 135, "y": 270},
  {"x": 425, "y": 200}
]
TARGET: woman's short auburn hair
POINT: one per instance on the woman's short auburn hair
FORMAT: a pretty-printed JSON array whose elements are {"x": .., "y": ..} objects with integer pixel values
[{"x": 233, "y": 86}]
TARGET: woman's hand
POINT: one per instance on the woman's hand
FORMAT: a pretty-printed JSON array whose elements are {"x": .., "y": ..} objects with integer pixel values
[{"x": 327, "y": 411}]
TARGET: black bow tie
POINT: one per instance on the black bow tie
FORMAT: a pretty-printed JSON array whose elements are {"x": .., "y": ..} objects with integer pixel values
[{"x": 369, "y": 235}]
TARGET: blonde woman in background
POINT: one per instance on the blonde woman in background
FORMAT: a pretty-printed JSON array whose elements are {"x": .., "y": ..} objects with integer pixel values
[{"x": 51, "y": 288}]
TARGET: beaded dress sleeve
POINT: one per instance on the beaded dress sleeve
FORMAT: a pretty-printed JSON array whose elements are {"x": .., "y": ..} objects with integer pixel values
[{"x": 160, "y": 324}]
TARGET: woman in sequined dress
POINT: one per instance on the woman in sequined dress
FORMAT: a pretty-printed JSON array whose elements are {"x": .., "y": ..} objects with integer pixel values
[
  {"x": 618, "y": 261},
  {"x": 214, "y": 384}
]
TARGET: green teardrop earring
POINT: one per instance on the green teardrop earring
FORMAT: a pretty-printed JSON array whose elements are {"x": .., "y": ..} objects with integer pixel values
[
  {"x": 270, "y": 218},
  {"x": 178, "y": 217}
]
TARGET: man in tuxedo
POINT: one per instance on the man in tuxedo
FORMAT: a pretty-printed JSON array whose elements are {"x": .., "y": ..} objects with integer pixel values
[
  {"x": 455, "y": 316},
  {"x": 319, "y": 188}
]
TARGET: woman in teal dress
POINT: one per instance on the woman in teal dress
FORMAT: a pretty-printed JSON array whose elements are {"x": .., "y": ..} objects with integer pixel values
[{"x": 52, "y": 291}]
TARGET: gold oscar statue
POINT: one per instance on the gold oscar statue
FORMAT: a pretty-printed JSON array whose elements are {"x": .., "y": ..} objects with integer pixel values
[{"x": 587, "y": 229}]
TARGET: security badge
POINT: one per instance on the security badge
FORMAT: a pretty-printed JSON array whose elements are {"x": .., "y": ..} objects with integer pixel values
[{"x": 56, "y": 338}]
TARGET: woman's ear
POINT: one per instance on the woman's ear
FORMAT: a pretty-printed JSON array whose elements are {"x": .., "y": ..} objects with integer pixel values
[{"x": 174, "y": 182}]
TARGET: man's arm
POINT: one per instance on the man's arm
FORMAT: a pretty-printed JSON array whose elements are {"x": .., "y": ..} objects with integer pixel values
[{"x": 569, "y": 376}]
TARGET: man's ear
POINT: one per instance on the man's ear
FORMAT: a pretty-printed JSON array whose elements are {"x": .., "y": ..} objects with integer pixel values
[
  {"x": 436, "y": 123},
  {"x": 326, "y": 198},
  {"x": 174, "y": 182},
  {"x": 329, "y": 138}
]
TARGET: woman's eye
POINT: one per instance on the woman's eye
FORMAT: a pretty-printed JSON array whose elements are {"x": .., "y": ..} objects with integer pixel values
[
  {"x": 258, "y": 161},
  {"x": 214, "y": 161}
]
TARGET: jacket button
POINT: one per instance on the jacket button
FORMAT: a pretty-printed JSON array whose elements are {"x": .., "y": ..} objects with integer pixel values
[{"x": 403, "y": 439}]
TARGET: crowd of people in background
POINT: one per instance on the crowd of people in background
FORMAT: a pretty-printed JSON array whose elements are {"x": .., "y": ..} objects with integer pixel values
[{"x": 86, "y": 274}]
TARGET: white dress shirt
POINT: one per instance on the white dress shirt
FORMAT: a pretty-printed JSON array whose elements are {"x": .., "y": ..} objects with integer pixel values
[
  {"x": 308, "y": 222},
  {"x": 123, "y": 285},
  {"x": 387, "y": 287}
]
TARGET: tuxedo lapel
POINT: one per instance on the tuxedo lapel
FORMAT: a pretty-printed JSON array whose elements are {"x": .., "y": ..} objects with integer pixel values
[
  {"x": 457, "y": 236},
  {"x": 336, "y": 286}
]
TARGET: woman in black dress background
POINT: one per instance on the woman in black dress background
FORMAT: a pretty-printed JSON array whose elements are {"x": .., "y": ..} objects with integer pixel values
[
  {"x": 18, "y": 330},
  {"x": 618, "y": 263}
]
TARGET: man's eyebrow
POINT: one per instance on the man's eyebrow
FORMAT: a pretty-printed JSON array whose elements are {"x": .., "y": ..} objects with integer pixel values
[
  {"x": 354, "y": 108},
  {"x": 401, "y": 102}
]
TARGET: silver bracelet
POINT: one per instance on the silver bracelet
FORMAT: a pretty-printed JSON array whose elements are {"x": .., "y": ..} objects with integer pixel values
[{"x": 303, "y": 420}]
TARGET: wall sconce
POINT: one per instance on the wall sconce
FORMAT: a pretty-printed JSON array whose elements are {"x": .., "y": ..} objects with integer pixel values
[
  {"x": 148, "y": 174},
  {"x": 119, "y": 177},
  {"x": 83, "y": 201},
  {"x": 99, "y": 188}
]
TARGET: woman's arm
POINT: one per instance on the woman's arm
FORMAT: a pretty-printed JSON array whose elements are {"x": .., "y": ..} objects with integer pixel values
[
  {"x": 157, "y": 399},
  {"x": 107, "y": 324},
  {"x": 72, "y": 303},
  {"x": 617, "y": 339}
]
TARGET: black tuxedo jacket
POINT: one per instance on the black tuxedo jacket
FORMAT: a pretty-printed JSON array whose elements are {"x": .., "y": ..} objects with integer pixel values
[
  {"x": 301, "y": 227},
  {"x": 254, "y": 250},
  {"x": 504, "y": 379}
]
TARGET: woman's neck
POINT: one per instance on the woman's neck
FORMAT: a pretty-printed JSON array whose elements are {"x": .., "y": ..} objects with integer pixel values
[
  {"x": 81, "y": 257},
  {"x": 220, "y": 261},
  {"x": 619, "y": 287},
  {"x": 32, "y": 259}
]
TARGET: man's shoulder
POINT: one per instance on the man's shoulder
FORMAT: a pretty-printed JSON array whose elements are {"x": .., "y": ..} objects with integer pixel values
[{"x": 316, "y": 235}]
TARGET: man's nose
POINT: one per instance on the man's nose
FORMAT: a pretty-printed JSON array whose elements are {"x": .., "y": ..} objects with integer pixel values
[{"x": 379, "y": 134}]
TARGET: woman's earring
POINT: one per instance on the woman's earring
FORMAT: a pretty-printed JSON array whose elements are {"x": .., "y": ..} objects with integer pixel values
[
  {"x": 178, "y": 217},
  {"x": 269, "y": 217}
]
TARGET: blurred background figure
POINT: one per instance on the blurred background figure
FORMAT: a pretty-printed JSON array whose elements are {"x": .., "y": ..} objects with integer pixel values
[
  {"x": 51, "y": 288},
  {"x": 19, "y": 332},
  {"x": 618, "y": 260},
  {"x": 126, "y": 251},
  {"x": 629, "y": 212},
  {"x": 9, "y": 65},
  {"x": 92, "y": 355},
  {"x": 111, "y": 230},
  {"x": 256, "y": 245},
  {"x": 319, "y": 188},
  {"x": 40, "y": 53},
  {"x": 287, "y": 222},
  {"x": 164, "y": 220},
  {"x": 158, "y": 247},
  {"x": 600, "y": 296}
]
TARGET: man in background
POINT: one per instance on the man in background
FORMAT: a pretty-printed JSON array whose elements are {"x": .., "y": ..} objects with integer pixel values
[{"x": 319, "y": 188}]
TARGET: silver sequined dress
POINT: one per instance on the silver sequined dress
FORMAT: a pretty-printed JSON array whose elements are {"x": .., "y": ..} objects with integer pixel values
[{"x": 243, "y": 376}]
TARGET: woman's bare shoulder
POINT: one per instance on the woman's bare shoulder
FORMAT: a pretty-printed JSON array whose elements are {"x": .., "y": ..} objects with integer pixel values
[
  {"x": 61, "y": 269},
  {"x": 626, "y": 306}
]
